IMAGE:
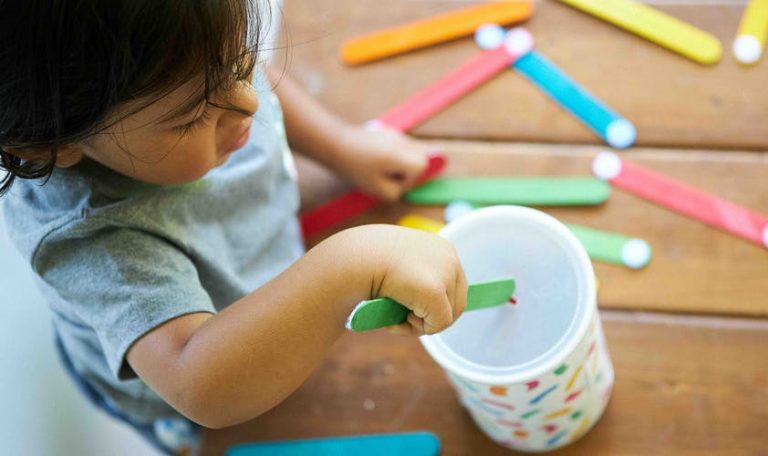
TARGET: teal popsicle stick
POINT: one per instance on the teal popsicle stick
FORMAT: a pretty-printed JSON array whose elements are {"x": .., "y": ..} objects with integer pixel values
[
  {"x": 382, "y": 312},
  {"x": 524, "y": 191},
  {"x": 614, "y": 129},
  {"x": 410, "y": 443}
]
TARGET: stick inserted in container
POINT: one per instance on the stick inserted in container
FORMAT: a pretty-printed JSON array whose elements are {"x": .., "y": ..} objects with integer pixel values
[{"x": 382, "y": 312}]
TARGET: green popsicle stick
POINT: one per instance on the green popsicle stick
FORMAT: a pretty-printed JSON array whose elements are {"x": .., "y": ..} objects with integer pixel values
[
  {"x": 613, "y": 247},
  {"x": 538, "y": 191},
  {"x": 600, "y": 245},
  {"x": 381, "y": 312}
]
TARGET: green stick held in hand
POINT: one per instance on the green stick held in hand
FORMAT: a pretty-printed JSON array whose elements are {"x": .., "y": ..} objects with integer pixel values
[{"x": 382, "y": 312}]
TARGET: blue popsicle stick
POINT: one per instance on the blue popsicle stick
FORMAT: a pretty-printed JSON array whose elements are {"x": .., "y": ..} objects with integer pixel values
[
  {"x": 617, "y": 131},
  {"x": 405, "y": 444}
]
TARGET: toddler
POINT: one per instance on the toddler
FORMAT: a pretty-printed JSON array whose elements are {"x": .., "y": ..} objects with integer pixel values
[{"x": 150, "y": 185}]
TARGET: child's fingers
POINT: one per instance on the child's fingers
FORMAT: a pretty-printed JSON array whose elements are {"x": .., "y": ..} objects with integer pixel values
[
  {"x": 405, "y": 165},
  {"x": 389, "y": 190},
  {"x": 460, "y": 294},
  {"x": 416, "y": 323},
  {"x": 413, "y": 165},
  {"x": 438, "y": 315},
  {"x": 403, "y": 329}
]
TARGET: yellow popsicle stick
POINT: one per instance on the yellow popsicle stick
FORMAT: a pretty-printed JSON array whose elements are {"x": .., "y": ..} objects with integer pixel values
[
  {"x": 421, "y": 223},
  {"x": 753, "y": 31},
  {"x": 655, "y": 26},
  {"x": 433, "y": 30}
]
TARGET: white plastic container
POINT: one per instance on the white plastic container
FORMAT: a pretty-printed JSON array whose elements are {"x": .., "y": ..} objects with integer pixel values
[{"x": 537, "y": 375}]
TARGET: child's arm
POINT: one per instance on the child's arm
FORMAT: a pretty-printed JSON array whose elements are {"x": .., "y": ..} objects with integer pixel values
[
  {"x": 223, "y": 369},
  {"x": 381, "y": 162}
]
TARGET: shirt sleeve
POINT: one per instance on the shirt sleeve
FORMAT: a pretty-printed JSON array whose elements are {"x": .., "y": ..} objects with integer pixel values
[{"x": 122, "y": 283}]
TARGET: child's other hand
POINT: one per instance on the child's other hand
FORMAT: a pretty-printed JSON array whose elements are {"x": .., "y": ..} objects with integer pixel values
[
  {"x": 417, "y": 269},
  {"x": 380, "y": 161}
]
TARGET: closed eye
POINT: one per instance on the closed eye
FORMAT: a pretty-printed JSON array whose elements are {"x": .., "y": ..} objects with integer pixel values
[{"x": 188, "y": 128}]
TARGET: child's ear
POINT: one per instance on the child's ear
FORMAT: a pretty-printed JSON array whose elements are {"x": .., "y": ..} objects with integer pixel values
[{"x": 66, "y": 156}]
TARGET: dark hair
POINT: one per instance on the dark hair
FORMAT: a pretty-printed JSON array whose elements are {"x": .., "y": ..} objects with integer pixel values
[{"x": 65, "y": 65}]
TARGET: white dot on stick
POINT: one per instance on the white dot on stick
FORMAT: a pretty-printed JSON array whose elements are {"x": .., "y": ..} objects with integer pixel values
[
  {"x": 636, "y": 253},
  {"x": 606, "y": 166},
  {"x": 489, "y": 36},
  {"x": 747, "y": 49}
]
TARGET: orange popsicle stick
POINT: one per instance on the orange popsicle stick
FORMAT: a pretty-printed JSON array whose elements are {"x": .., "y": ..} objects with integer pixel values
[{"x": 433, "y": 30}]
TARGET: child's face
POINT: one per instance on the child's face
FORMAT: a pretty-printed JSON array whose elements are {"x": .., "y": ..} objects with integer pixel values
[{"x": 145, "y": 148}]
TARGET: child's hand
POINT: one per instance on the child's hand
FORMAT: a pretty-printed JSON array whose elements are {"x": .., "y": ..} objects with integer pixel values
[
  {"x": 417, "y": 269},
  {"x": 380, "y": 161}
]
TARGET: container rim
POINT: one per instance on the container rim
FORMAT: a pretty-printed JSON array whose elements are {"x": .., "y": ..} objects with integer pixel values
[{"x": 586, "y": 307}]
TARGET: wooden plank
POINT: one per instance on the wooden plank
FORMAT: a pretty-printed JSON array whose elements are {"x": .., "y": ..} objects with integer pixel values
[
  {"x": 695, "y": 268},
  {"x": 672, "y": 101},
  {"x": 684, "y": 386}
]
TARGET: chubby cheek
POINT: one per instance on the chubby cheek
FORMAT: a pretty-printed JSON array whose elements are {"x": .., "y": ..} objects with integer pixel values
[
  {"x": 185, "y": 163},
  {"x": 164, "y": 162}
]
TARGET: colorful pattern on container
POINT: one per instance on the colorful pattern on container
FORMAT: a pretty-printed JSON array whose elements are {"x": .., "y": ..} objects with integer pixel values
[{"x": 550, "y": 411}]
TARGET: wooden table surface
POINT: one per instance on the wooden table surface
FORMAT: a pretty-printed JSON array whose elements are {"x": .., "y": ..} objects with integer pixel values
[
  {"x": 671, "y": 100},
  {"x": 688, "y": 335},
  {"x": 683, "y": 387}
]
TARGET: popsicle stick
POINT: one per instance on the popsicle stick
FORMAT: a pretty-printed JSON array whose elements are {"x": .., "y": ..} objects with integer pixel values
[
  {"x": 617, "y": 131},
  {"x": 613, "y": 248},
  {"x": 432, "y": 30},
  {"x": 454, "y": 85},
  {"x": 600, "y": 245},
  {"x": 525, "y": 191},
  {"x": 752, "y": 33},
  {"x": 382, "y": 312},
  {"x": 682, "y": 198},
  {"x": 355, "y": 202},
  {"x": 411, "y": 443},
  {"x": 419, "y": 222},
  {"x": 655, "y": 26},
  {"x": 335, "y": 211}
]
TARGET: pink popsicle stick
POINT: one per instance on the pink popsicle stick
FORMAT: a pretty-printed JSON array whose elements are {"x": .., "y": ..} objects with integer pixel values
[
  {"x": 356, "y": 202},
  {"x": 454, "y": 85},
  {"x": 682, "y": 198}
]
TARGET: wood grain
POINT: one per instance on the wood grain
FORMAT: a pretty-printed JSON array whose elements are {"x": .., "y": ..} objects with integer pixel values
[
  {"x": 684, "y": 386},
  {"x": 695, "y": 268},
  {"x": 672, "y": 101}
]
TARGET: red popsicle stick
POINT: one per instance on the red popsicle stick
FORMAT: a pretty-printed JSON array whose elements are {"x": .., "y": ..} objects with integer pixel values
[
  {"x": 682, "y": 198},
  {"x": 454, "y": 85},
  {"x": 356, "y": 202}
]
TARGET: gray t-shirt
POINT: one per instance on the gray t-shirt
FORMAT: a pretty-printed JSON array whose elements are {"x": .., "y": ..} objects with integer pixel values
[{"x": 115, "y": 257}]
